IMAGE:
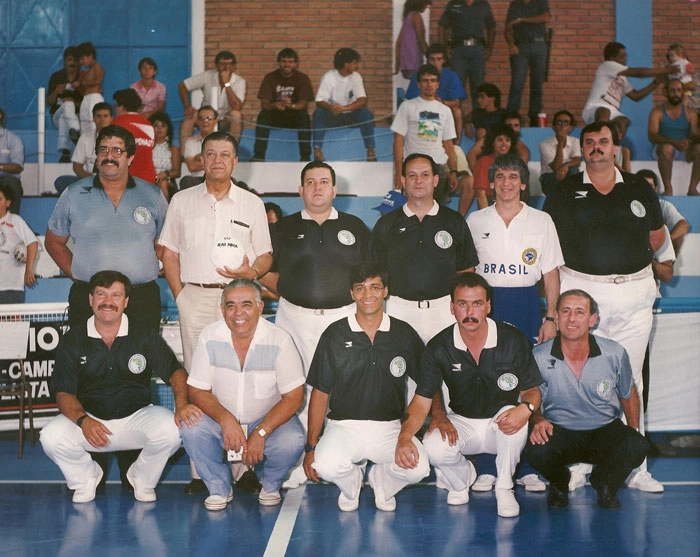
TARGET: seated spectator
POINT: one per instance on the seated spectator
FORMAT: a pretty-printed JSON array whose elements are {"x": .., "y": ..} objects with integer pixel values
[
  {"x": 18, "y": 250},
  {"x": 512, "y": 120},
  {"x": 166, "y": 156},
  {"x": 675, "y": 133},
  {"x": 489, "y": 113},
  {"x": 499, "y": 140},
  {"x": 152, "y": 92},
  {"x": 675, "y": 222},
  {"x": 623, "y": 157},
  {"x": 84, "y": 156},
  {"x": 128, "y": 103},
  {"x": 273, "y": 211},
  {"x": 231, "y": 96},
  {"x": 450, "y": 89},
  {"x": 341, "y": 101},
  {"x": 560, "y": 154},
  {"x": 90, "y": 85},
  {"x": 11, "y": 163},
  {"x": 284, "y": 95},
  {"x": 63, "y": 99},
  {"x": 192, "y": 152}
]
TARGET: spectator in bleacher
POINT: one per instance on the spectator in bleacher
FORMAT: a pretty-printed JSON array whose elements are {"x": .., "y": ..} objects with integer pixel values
[
  {"x": 499, "y": 140},
  {"x": 11, "y": 163},
  {"x": 676, "y": 223},
  {"x": 104, "y": 237},
  {"x": 18, "y": 249},
  {"x": 560, "y": 154},
  {"x": 313, "y": 251},
  {"x": 675, "y": 132},
  {"x": 214, "y": 232},
  {"x": 450, "y": 90},
  {"x": 526, "y": 35},
  {"x": 411, "y": 44},
  {"x": 425, "y": 125},
  {"x": 284, "y": 95},
  {"x": 152, "y": 92},
  {"x": 610, "y": 86},
  {"x": 469, "y": 29},
  {"x": 90, "y": 85},
  {"x": 192, "y": 149},
  {"x": 341, "y": 101},
  {"x": 231, "y": 96},
  {"x": 64, "y": 99},
  {"x": 488, "y": 112},
  {"x": 273, "y": 211},
  {"x": 512, "y": 120},
  {"x": 84, "y": 155},
  {"x": 166, "y": 156},
  {"x": 128, "y": 103}
]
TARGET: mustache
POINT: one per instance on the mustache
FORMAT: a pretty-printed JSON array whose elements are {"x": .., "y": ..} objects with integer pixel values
[
  {"x": 109, "y": 161},
  {"x": 596, "y": 150},
  {"x": 470, "y": 320},
  {"x": 107, "y": 306}
]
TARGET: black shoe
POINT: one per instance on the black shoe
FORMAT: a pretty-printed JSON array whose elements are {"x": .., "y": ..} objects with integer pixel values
[
  {"x": 557, "y": 498},
  {"x": 74, "y": 135},
  {"x": 65, "y": 156},
  {"x": 195, "y": 486},
  {"x": 607, "y": 499},
  {"x": 249, "y": 482}
]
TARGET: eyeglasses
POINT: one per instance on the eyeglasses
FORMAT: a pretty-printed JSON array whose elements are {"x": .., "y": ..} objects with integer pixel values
[
  {"x": 562, "y": 122},
  {"x": 104, "y": 150},
  {"x": 207, "y": 118}
]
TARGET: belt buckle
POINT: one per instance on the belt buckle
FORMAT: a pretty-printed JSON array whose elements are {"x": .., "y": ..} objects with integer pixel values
[
  {"x": 470, "y": 42},
  {"x": 421, "y": 302},
  {"x": 619, "y": 279},
  {"x": 319, "y": 312}
]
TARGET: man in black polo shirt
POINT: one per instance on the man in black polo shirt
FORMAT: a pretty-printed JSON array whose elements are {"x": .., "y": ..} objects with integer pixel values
[
  {"x": 313, "y": 251},
  {"x": 423, "y": 244},
  {"x": 102, "y": 383},
  {"x": 362, "y": 364},
  {"x": 493, "y": 382}
]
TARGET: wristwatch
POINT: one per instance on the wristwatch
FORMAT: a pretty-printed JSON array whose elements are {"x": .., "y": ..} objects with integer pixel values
[
  {"x": 530, "y": 406},
  {"x": 227, "y": 84},
  {"x": 309, "y": 447},
  {"x": 261, "y": 432}
]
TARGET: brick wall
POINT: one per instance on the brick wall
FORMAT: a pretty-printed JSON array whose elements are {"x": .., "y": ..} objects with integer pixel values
[{"x": 256, "y": 31}]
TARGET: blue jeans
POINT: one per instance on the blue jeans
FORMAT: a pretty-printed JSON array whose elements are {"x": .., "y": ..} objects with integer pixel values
[
  {"x": 468, "y": 62},
  {"x": 324, "y": 119},
  {"x": 532, "y": 56},
  {"x": 205, "y": 443}
]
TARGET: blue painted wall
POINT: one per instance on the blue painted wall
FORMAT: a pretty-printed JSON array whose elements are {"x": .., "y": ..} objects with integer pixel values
[{"x": 33, "y": 34}]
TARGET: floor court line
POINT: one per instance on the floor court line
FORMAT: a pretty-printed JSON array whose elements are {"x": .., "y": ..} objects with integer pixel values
[{"x": 282, "y": 532}]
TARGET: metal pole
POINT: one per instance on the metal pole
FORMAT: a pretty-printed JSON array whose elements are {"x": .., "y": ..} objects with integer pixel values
[{"x": 41, "y": 137}]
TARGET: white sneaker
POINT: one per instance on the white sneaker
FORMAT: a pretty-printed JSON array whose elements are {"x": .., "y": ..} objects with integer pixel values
[
  {"x": 296, "y": 478},
  {"x": 461, "y": 497},
  {"x": 141, "y": 493},
  {"x": 506, "y": 504},
  {"x": 218, "y": 502},
  {"x": 346, "y": 504},
  {"x": 644, "y": 481},
  {"x": 380, "y": 500},
  {"x": 269, "y": 499},
  {"x": 484, "y": 482},
  {"x": 86, "y": 492},
  {"x": 576, "y": 480},
  {"x": 532, "y": 482}
]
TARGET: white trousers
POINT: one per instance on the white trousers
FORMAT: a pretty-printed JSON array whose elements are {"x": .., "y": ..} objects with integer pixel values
[
  {"x": 87, "y": 124},
  {"x": 342, "y": 453},
  {"x": 428, "y": 318},
  {"x": 152, "y": 429},
  {"x": 197, "y": 307},
  {"x": 475, "y": 436},
  {"x": 65, "y": 119}
]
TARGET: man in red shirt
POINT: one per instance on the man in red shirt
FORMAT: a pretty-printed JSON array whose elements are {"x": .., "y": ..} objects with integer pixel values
[{"x": 127, "y": 104}]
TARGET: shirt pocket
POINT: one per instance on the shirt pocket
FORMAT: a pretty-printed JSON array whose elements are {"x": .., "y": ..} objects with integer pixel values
[{"x": 265, "y": 384}]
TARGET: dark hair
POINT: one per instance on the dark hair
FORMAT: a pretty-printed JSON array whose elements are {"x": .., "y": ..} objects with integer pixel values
[
  {"x": 270, "y": 206},
  {"x": 646, "y": 173},
  {"x": 415, "y": 6},
  {"x": 414, "y": 156},
  {"x": 368, "y": 269},
  {"x": 437, "y": 48},
  {"x": 598, "y": 126},
  {"x": 578, "y": 292},
  {"x": 207, "y": 107},
  {"x": 510, "y": 161},
  {"x": 117, "y": 131},
  {"x": 470, "y": 279},
  {"x": 7, "y": 192},
  {"x": 107, "y": 279},
  {"x": 70, "y": 51},
  {"x": 612, "y": 49},
  {"x": 148, "y": 60},
  {"x": 103, "y": 106},
  {"x": 317, "y": 164},
  {"x": 224, "y": 55},
  {"x": 560, "y": 112},
  {"x": 428, "y": 69},
  {"x": 510, "y": 115},
  {"x": 490, "y": 90},
  {"x": 345, "y": 56},
  {"x": 221, "y": 136},
  {"x": 491, "y": 135},
  {"x": 160, "y": 116},
  {"x": 128, "y": 98},
  {"x": 86, "y": 49},
  {"x": 287, "y": 53}
]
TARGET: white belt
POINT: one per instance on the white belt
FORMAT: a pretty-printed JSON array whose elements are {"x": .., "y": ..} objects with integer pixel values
[
  {"x": 420, "y": 304},
  {"x": 343, "y": 310},
  {"x": 610, "y": 279}
]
